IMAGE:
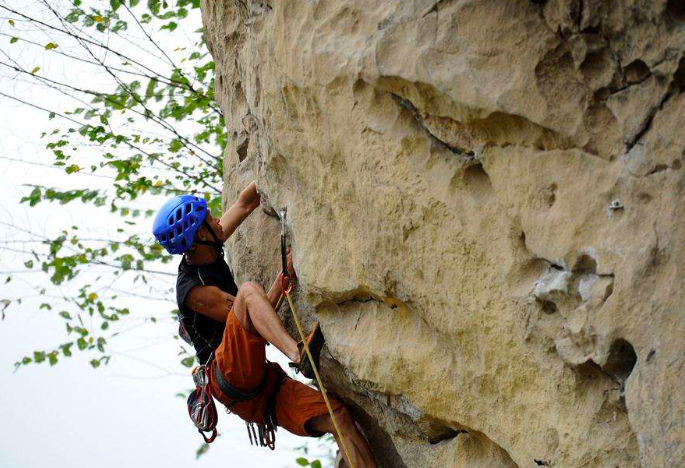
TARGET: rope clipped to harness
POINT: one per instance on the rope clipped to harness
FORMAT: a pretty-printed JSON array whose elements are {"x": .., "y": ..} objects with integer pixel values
[{"x": 286, "y": 288}]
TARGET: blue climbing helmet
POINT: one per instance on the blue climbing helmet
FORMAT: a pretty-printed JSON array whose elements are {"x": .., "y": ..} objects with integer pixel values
[{"x": 178, "y": 220}]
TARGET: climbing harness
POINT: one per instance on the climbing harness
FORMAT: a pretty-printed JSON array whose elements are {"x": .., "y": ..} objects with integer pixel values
[
  {"x": 263, "y": 435},
  {"x": 286, "y": 289}
]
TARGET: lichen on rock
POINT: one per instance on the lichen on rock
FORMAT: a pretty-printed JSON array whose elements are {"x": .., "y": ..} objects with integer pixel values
[{"x": 485, "y": 204}]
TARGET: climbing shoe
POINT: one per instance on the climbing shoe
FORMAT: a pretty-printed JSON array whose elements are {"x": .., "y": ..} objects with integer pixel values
[{"x": 315, "y": 341}]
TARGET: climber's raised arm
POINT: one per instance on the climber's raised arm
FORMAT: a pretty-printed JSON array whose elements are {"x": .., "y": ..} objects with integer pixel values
[{"x": 247, "y": 202}]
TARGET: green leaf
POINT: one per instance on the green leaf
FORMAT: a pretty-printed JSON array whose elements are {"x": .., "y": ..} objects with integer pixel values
[
  {"x": 35, "y": 70},
  {"x": 115, "y": 4},
  {"x": 202, "y": 450},
  {"x": 14, "y": 40},
  {"x": 189, "y": 361},
  {"x": 101, "y": 344},
  {"x": 38, "y": 356},
  {"x": 52, "y": 358},
  {"x": 175, "y": 146},
  {"x": 66, "y": 349},
  {"x": 302, "y": 461},
  {"x": 133, "y": 3},
  {"x": 50, "y": 46},
  {"x": 95, "y": 363},
  {"x": 64, "y": 314},
  {"x": 11, "y": 22},
  {"x": 315, "y": 464},
  {"x": 171, "y": 26}
]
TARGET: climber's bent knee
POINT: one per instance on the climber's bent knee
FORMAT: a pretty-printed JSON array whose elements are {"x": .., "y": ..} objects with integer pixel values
[
  {"x": 324, "y": 424},
  {"x": 241, "y": 306},
  {"x": 250, "y": 289},
  {"x": 320, "y": 425}
]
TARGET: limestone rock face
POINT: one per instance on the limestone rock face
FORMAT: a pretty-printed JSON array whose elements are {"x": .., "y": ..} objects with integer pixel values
[{"x": 486, "y": 208}]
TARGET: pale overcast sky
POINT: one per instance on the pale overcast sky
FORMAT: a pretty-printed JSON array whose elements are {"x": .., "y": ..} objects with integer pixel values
[{"x": 126, "y": 413}]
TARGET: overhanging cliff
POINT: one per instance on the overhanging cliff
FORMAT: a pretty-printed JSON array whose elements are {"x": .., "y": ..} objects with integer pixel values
[{"x": 487, "y": 215}]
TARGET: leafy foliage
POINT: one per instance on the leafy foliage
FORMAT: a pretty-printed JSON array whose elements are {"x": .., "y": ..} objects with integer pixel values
[
  {"x": 153, "y": 129},
  {"x": 305, "y": 462}
]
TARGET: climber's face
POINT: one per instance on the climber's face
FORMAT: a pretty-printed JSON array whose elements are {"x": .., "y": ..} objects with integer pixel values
[{"x": 204, "y": 234}]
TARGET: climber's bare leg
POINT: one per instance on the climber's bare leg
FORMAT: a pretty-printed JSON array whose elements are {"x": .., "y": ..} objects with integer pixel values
[
  {"x": 356, "y": 444},
  {"x": 256, "y": 314}
]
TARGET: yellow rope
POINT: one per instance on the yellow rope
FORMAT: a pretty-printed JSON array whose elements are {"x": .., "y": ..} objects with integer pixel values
[{"x": 318, "y": 379}]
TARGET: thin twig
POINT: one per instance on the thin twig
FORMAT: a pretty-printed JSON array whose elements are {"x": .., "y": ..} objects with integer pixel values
[
  {"x": 148, "y": 114},
  {"x": 96, "y": 262},
  {"x": 130, "y": 145}
]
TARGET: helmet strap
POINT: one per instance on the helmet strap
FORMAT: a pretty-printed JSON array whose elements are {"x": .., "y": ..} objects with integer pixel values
[{"x": 216, "y": 243}]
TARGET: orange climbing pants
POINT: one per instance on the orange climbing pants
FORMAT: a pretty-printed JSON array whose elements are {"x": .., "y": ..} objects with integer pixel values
[{"x": 241, "y": 358}]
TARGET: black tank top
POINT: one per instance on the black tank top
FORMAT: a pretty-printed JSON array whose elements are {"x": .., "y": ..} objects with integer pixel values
[{"x": 205, "y": 333}]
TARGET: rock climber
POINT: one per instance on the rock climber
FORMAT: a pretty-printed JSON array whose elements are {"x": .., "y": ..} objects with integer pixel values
[{"x": 229, "y": 327}]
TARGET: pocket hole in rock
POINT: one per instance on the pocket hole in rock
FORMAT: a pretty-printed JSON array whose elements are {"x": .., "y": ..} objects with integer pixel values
[
  {"x": 585, "y": 264},
  {"x": 609, "y": 291},
  {"x": 242, "y": 149},
  {"x": 447, "y": 435},
  {"x": 679, "y": 76},
  {"x": 478, "y": 181},
  {"x": 650, "y": 355},
  {"x": 590, "y": 370},
  {"x": 637, "y": 71},
  {"x": 549, "y": 307},
  {"x": 595, "y": 65},
  {"x": 621, "y": 361},
  {"x": 675, "y": 9}
]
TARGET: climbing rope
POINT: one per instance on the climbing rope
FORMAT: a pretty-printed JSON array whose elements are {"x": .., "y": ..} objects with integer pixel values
[{"x": 286, "y": 290}]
